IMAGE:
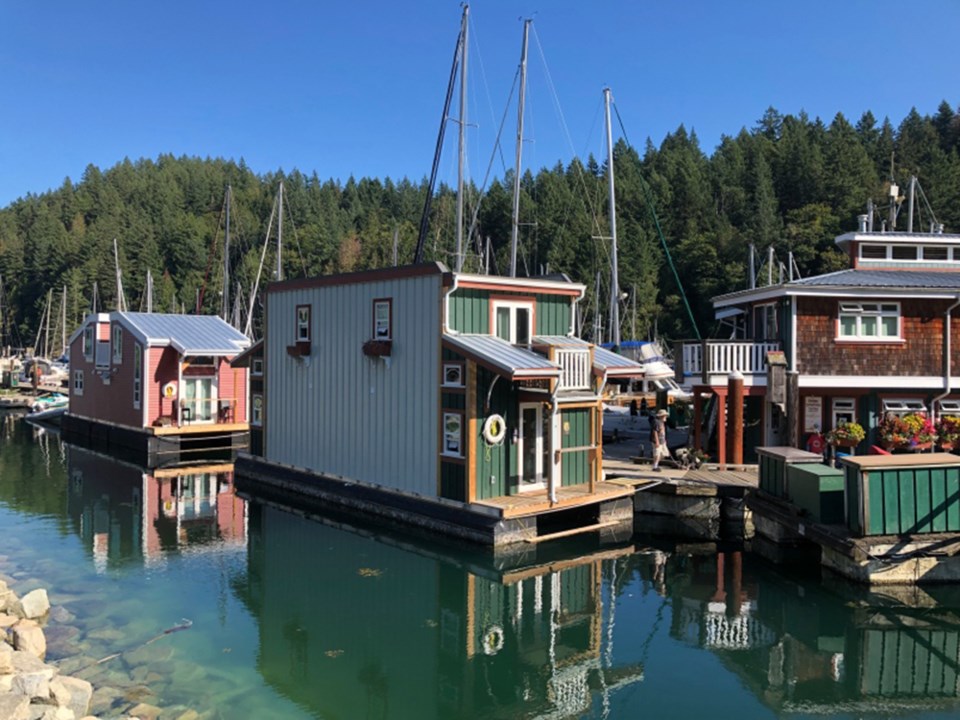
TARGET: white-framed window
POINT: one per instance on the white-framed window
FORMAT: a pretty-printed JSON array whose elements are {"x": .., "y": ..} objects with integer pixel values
[
  {"x": 303, "y": 323},
  {"x": 256, "y": 409},
  {"x": 948, "y": 407},
  {"x": 873, "y": 252},
  {"x": 938, "y": 253},
  {"x": 844, "y": 411},
  {"x": 78, "y": 382},
  {"x": 383, "y": 319},
  {"x": 903, "y": 406},
  {"x": 513, "y": 320},
  {"x": 452, "y": 434},
  {"x": 868, "y": 321},
  {"x": 137, "y": 374},
  {"x": 256, "y": 366},
  {"x": 765, "y": 322},
  {"x": 453, "y": 374},
  {"x": 117, "y": 344},
  {"x": 88, "y": 343}
]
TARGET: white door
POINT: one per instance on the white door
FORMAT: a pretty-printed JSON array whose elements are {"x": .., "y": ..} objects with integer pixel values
[
  {"x": 199, "y": 400},
  {"x": 531, "y": 449}
]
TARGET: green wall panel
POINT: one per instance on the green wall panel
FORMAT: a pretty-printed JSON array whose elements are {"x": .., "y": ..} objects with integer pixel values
[
  {"x": 453, "y": 481},
  {"x": 496, "y": 464},
  {"x": 575, "y": 432}
]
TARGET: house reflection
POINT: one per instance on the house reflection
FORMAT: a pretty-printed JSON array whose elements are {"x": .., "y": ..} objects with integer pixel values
[
  {"x": 126, "y": 513},
  {"x": 357, "y": 623},
  {"x": 822, "y": 647}
]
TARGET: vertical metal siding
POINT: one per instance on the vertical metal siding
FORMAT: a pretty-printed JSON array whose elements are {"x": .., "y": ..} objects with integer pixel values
[
  {"x": 553, "y": 314},
  {"x": 341, "y": 412}
]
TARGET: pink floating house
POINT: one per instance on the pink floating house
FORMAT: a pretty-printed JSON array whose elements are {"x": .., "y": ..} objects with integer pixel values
[{"x": 142, "y": 380}]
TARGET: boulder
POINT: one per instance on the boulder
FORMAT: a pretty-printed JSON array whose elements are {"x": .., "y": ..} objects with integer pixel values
[
  {"x": 32, "y": 684},
  {"x": 6, "y": 659},
  {"x": 35, "y": 604},
  {"x": 72, "y": 693},
  {"x": 8, "y": 601},
  {"x": 24, "y": 662},
  {"x": 14, "y": 707},
  {"x": 7, "y": 620},
  {"x": 57, "y": 713},
  {"x": 28, "y": 637}
]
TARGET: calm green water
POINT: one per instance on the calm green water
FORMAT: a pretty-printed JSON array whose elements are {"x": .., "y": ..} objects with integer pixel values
[{"x": 294, "y": 617}]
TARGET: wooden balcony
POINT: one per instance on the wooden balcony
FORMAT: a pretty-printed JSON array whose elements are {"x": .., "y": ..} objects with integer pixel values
[{"x": 710, "y": 362}]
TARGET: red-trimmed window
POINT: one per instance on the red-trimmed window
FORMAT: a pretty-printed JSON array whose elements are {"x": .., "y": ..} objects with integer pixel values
[
  {"x": 383, "y": 319},
  {"x": 303, "y": 323}
]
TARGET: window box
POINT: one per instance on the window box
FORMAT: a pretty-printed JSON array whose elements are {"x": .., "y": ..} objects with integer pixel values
[
  {"x": 301, "y": 348},
  {"x": 377, "y": 348}
]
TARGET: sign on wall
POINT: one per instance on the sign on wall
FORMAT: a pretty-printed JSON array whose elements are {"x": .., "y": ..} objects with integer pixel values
[{"x": 812, "y": 413}]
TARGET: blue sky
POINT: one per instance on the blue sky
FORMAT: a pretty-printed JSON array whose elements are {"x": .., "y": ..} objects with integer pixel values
[{"x": 356, "y": 88}]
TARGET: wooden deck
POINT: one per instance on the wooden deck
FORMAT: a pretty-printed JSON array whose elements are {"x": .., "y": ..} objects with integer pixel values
[
  {"x": 677, "y": 481},
  {"x": 568, "y": 497},
  {"x": 199, "y": 429}
]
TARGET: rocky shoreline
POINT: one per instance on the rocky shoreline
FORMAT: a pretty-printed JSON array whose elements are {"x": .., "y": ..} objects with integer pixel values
[{"x": 31, "y": 688}]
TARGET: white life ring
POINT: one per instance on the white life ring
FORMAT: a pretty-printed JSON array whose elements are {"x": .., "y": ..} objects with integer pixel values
[
  {"x": 492, "y": 640},
  {"x": 170, "y": 390},
  {"x": 494, "y": 429}
]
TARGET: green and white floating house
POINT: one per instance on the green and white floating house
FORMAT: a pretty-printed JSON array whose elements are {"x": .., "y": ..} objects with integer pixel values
[{"x": 460, "y": 402}]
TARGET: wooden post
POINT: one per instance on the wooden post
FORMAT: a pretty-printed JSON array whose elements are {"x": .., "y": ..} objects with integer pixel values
[
  {"x": 735, "y": 417},
  {"x": 793, "y": 409},
  {"x": 697, "y": 419},
  {"x": 721, "y": 425}
]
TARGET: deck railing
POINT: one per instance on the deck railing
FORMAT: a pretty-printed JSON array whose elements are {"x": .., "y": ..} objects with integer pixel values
[
  {"x": 196, "y": 411},
  {"x": 707, "y": 358},
  {"x": 575, "y": 368}
]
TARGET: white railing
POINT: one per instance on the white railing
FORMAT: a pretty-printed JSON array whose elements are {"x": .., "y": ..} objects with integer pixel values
[
  {"x": 725, "y": 356},
  {"x": 575, "y": 369}
]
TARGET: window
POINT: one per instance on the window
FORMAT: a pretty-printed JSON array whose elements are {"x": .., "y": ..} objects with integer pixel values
[
  {"x": 453, "y": 374},
  {"x": 117, "y": 344},
  {"x": 256, "y": 412},
  {"x": 256, "y": 366},
  {"x": 137, "y": 374},
  {"x": 937, "y": 252},
  {"x": 78, "y": 382},
  {"x": 513, "y": 321},
  {"x": 869, "y": 321},
  {"x": 949, "y": 407},
  {"x": 903, "y": 406},
  {"x": 303, "y": 323},
  {"x": 383, "y": 319},
  {"x": 873, "y": 252},
  {"x": 453, "y": 434},
  {"x": 88, "y": 343},
  {"x": 765, "y": 322},
  {"x": 844, "y": 411},
  {"x": 904, "y": 252}
]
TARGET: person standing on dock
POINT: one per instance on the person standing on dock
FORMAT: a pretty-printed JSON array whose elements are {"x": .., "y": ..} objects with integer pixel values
[{"x": 658, "y": 438}]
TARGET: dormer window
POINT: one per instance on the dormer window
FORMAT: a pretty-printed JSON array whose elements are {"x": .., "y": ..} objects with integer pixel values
[
  {"x": 904, "y": 252},
  {"x": 873, "y": 252},
  {"x": 513, "y": 320},
  {"x": 936, "y": 252}
]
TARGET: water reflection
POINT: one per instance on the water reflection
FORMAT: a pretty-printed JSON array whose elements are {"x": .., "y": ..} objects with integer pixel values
[
  {"x": 125, "y": 513},
  {"x": 822, "y": 647}
]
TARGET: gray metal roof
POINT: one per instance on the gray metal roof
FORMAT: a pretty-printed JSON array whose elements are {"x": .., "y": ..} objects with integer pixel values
[
  {"x": 913, "y": 279},
  {"x": 508, "y": 360},
  {"x": 188, "y": 334},
  {"x": 559, "y": 341},
  {"x": 614, "y": 364}
]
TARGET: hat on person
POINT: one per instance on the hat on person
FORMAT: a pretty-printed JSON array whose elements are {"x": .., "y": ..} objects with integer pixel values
[{"x": 662, "y": 413}]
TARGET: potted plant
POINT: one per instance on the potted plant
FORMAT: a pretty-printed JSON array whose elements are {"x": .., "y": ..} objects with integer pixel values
[
  {"x": 921, "y": 431},
  {"x": 846, "y": 434},
  {"x": 948, "y": 431},
  {"x": 892, "y": 432}
]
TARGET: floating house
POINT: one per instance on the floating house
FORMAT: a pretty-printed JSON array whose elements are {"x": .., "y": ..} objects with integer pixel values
[
  {"x": 876, "y": 338},
  {"x": 459, "y": 402},
  {"x": 142, "y": 381}
]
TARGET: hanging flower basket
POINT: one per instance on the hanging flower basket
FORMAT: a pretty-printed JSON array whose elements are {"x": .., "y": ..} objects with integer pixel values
[
  {"x": 377, "y": 348},
  {"x": 846, "y": 434}
]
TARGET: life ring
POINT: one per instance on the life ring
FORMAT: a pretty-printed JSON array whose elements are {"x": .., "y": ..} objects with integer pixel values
[
  {"x": 494, "y": 429},
  {"x": 816, "y": 443},
  {"x": 492, "y": 640},
  {"x": 170, "y": 390}
]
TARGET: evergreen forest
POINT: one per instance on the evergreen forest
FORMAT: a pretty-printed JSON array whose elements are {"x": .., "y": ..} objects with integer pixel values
[{"x": 791, "y": 183}]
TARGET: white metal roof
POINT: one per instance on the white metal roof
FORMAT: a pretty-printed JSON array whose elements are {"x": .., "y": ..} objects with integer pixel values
[
  {"x": 187, "y": 334},
  {"x": 615, "y": 365},
  {"x": 508, "y": 360}
]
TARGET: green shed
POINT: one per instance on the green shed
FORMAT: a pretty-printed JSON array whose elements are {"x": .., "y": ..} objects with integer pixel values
[
  {"x": 818, "y": 489},
  {"x": 912, "y": 493},
  {"x": 773, "y": 462}
]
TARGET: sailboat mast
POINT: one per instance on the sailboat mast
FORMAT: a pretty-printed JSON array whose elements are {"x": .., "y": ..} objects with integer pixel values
[
  {"x": 614, "y": 280},
  {"x": 515, "y": 225},
  {"x": 63, "y": 321},
  {"x": 463, "y": 125},
  {"x": 46, "y": 335},
  {"x": 280, "y": 233},
  {"x": 121, "y": 300},
  {"x": 149, "y": 291},
  {"x": 225, "y": 306}
]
